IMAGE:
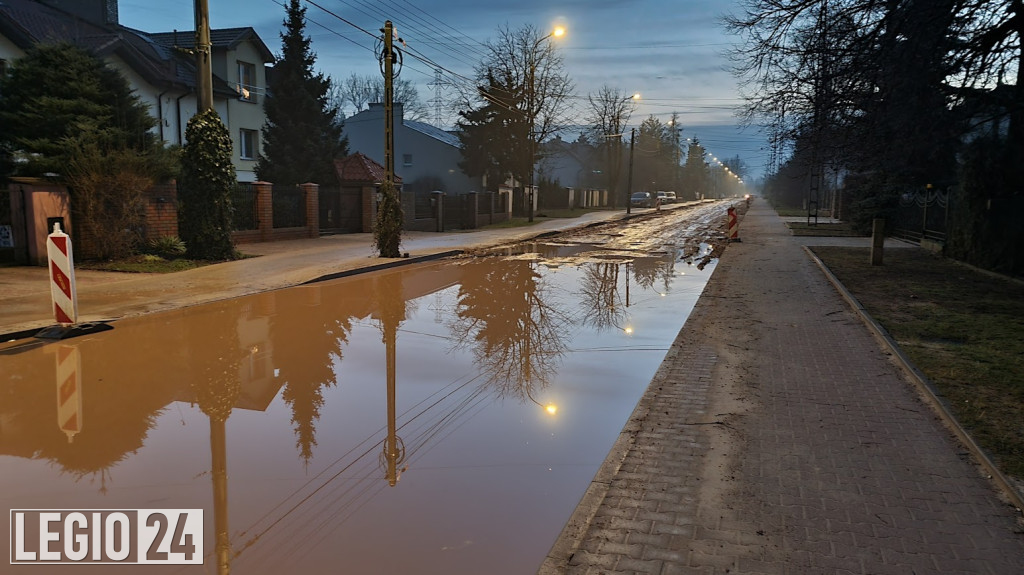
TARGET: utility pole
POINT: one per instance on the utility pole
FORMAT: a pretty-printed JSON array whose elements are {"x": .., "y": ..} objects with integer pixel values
[
  {"x": 204, "y": 72},
  {"x": 629, "y": 184},
  {"x": 388, "y": 227},
  {"x": 389, "y": 95}
]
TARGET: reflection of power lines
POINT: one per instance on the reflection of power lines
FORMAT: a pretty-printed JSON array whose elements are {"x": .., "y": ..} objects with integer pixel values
[{"x": 313, "y": 511}]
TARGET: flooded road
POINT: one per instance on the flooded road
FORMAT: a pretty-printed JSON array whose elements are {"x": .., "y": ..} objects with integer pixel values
[{"x": 437, "y": 418}]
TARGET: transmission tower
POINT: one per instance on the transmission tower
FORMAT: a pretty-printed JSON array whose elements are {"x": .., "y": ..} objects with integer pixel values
[{"x": 438, "y": 84}]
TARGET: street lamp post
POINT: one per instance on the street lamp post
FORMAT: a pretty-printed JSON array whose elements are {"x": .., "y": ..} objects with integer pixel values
[
  {"x": 629, "y": 181},
  {"x": 530, "y": 113}
]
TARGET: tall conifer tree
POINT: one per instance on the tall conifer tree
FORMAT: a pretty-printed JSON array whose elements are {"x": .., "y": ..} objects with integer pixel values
[{"x": 302, "y": 136}]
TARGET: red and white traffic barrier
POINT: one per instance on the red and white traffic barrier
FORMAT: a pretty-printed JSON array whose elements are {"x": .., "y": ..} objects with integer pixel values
[
  {"x": 62, "y": 276},
  {"x": 69, "y": 391},
  {"x": 734, "y": 227}
]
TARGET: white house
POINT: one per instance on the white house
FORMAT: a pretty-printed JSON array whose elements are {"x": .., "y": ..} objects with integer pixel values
[{"x": 157, "y": 65}]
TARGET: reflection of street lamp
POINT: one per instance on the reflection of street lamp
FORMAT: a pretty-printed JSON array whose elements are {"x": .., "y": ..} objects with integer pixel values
[
  {"x": 558, "y": 32},
  {"x": 550, "y": 408}
]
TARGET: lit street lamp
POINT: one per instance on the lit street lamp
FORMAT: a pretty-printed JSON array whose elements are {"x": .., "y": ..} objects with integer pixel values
[{"x": 558, "y": 32}]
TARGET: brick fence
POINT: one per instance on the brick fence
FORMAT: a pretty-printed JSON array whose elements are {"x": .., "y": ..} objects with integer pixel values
[{"x": 162, "y": 214}]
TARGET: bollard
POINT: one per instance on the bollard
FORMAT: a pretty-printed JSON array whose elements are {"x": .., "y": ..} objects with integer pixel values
[
  {"x": 62, "y": 277},
  {"x": 877, "y": 240},
  {"x": 734, "y": 227}
]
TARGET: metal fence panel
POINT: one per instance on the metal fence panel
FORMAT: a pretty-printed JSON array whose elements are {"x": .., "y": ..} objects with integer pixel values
[
  {"x": 243, "y": 199},
  {"x": 289, "y": 207},
  {"x": 922, "y": 214}
]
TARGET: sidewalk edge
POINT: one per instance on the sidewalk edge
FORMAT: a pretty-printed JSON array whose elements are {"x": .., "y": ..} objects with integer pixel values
[{"x": 925, "y": 386}]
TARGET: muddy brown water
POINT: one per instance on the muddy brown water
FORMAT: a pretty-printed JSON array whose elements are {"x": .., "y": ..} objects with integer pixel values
[{"x": 439, "y": 418}]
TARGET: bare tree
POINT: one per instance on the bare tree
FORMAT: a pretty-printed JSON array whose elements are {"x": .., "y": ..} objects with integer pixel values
[
  {"x": 610, "y": 110},
  {"x": 528, "y": 63},
  {"x": 356, "y": 93}
]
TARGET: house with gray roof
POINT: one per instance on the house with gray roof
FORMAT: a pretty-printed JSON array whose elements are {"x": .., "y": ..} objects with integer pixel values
[
  {"x": 426, "y": 157},
  {"x": 158, "y": 66}
]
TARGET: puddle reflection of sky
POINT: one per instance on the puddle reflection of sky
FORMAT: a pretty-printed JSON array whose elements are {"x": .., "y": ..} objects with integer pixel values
[{"x": 289, "y": 415}]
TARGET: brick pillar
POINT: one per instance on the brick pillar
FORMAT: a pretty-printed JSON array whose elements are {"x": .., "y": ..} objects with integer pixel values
[
  {"x": 264, "y": 209},
  {"x": 162, "y": 210},
  {"x": 312, "y": 194},
  {"x": 369, "y": 208}
]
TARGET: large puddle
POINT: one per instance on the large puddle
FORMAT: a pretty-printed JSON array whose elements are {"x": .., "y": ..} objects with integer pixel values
[{"x": 441, "y": 418}]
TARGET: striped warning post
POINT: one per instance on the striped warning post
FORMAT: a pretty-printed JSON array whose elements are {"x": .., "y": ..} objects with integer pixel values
[
  {"x": 69, "y": 391},
  {"x": 62, "y": 276},
  {"x": 734, "y": 228}
]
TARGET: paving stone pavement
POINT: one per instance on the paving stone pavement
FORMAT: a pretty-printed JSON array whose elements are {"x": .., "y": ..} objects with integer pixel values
[{"x": 778, "y": 437}]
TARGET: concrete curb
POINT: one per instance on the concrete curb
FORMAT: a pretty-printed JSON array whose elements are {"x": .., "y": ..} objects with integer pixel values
[
  {"x": 925, "y": 386},
  {"x": 385, "y": 266}
]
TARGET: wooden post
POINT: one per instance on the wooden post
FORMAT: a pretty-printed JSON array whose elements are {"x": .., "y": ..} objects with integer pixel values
[{"x": 877, "y": 240}]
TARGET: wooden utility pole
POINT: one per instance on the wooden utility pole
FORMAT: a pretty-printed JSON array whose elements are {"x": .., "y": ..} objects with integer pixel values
[
  {"x": 389, "y": 95},
  {"x": 204, "y": 72}
]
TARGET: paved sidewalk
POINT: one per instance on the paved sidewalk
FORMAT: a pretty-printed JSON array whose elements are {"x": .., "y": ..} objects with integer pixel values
[
  {"x": 778, "y": 437},
  {"x": 25, "y": 297}
]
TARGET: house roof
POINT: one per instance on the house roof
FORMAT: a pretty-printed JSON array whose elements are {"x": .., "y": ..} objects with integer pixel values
[
  {"x": 360, "y": 168},
  {"x": 28, "y": 22},
  {"x": 226, "y": 38},
  {"x": 434, "y": 132}
]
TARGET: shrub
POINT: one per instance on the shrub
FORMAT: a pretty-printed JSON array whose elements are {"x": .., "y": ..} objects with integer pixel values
[
  {"x": 167, "y": 247},
  {"x": 387, "y": 234},
  {"x": 204, "y": 190}
]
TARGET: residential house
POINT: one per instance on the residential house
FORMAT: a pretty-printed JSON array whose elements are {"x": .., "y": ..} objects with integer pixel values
[
  {"x": 426, "y": 157},
  {"x": 573, "y": 174},
  {"x": 158, "y": 66}
]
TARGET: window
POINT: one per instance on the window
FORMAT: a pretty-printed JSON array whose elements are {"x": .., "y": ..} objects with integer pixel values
[
  {"x": 246, "y": 81},
  {"x": 406, "y": 160},
  {"x": 247, "y": 144}
]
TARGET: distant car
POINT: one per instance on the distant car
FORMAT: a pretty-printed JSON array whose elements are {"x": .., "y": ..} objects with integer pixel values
[
  {"x": 670, "y": 197},
  {"x": 641, "y": 200},
  {"x": 661, "y": 197}
]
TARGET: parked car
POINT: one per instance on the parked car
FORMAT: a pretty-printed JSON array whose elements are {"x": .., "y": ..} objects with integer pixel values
[
  {"x": 670, "y": 197},
  {"x": 662, "y": 197},
  {"x": 641, "y": 200}
]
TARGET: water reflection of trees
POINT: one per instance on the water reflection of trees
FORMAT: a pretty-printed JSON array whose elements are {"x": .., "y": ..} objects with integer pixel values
[
  {"x": 602, "y": 301},
  {"x": 604, "y": 286},
  {"x": 307, "y": 341},
  {"x": 506, "y": 314},
  {"x": 647, "y": 270}
]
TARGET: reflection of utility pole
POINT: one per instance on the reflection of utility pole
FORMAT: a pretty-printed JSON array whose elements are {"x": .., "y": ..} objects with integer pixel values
[
  {"x": 219, "y": 469},
  {"x": 394, "y": 449},
  {"x": 629, "y": 184},
  {"x": 204, "y": 73},
  {"x": 627, "y": 283}
]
